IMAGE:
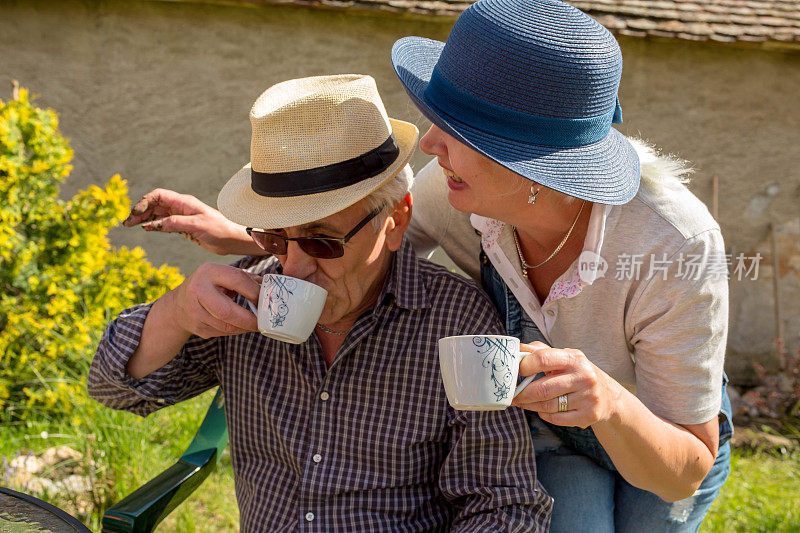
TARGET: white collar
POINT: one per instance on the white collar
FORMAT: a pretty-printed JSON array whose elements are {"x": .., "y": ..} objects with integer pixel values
[{"x": 590, "y": 264}]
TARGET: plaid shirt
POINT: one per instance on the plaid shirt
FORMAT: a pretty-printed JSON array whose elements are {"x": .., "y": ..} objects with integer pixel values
[{"x": 368, "y": 444}]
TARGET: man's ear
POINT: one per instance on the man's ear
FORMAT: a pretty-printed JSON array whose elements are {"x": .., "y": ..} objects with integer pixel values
[{"x": 397, "y": 223}]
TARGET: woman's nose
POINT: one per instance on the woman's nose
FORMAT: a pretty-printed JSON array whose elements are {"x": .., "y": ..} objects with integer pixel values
[
  {"x": 296, "y": 263},
  {"x": 431, "y": 142}
]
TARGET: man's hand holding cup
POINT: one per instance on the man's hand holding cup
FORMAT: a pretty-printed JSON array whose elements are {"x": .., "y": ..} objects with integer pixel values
[{"x": 203, "y": 304}]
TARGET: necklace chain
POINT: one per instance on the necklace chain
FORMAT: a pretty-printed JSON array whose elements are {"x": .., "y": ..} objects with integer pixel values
[
  {"x": 526, "y": 266},
  {"x": 333, "y": 331}
]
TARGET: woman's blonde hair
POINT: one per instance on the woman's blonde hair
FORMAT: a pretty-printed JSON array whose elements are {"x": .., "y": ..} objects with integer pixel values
[{"x": 656, "y": 168}]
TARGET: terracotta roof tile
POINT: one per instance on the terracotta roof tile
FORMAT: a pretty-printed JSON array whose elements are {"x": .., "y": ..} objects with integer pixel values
[
  {"x": 761, "y": 31},
  {"x": 690, "y": 37},
  {"x": 642, "y": 24},
  {"x": 786, "y": 36},
  {"x": 753, "y": 38},
  {"x": 661, "y": 33},
  {"x": 717, "y": 20},
  {"x": 633, "y": 33},
  {"x": 727, "y": 30},
  {"x": 611, "y": 22},
  {"x": 775, "y": 21},
  {"x": 672, "y": 27}
]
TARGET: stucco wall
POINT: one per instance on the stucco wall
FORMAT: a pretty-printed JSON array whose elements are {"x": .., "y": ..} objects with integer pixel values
[{"x": 160, "y": 92}]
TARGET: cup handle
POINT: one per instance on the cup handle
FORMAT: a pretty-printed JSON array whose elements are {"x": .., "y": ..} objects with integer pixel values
[{"x": 525, "y": 383}]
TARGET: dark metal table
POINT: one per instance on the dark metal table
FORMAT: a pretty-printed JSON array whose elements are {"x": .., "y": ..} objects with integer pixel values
[{"x": 20, "y": 513}]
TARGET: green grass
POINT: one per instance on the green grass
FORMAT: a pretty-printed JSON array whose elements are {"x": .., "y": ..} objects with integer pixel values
[
  {"x": 127, "y": 451},
  {"x": 212, "y": 508},
  {"x": 762, "y": 494}
]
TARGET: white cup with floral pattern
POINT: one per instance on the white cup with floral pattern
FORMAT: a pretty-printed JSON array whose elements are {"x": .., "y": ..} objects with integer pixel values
[
  {"x": 288, "y": 308},
  {"x": 480, "y": 371}
]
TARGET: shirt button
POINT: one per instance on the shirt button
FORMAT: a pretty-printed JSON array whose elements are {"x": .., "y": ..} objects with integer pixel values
[
  {"x": 324, "y": 396},
  {"x": 309, "y": 516},
  {"x": 317, "y": 458},
  {"x": 484, "y": 258},
  {"x": 550, "y": 312}
]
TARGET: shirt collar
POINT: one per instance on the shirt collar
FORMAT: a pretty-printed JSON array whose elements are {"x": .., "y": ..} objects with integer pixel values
[
  {"x": 590, "y": 260},
  {"x": 404, "y": 283},
  {"x": 496, "y": 233}
]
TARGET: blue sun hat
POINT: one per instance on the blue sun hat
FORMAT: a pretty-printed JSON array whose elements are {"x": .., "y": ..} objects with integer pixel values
[{"x": 533, "y": 86}]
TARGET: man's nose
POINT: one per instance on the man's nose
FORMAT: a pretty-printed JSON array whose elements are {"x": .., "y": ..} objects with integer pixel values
[
  {"x": 431, "y": 142},
  {"x": 296, "y": 263}
]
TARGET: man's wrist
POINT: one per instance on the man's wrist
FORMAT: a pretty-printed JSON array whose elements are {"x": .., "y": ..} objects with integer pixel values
[
  {"x": 168, "y": 312},
  {"x": 162, "y": 337}
]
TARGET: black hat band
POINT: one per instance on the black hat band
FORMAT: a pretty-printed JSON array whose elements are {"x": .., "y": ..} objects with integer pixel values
[{"x": 327, "y": 178}]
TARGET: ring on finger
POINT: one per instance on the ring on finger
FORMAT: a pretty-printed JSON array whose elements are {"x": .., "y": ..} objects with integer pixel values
[{"x": 563, "y": 404}]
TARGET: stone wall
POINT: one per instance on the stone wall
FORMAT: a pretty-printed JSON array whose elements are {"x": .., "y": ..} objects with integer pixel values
[{"x": 160, "y": 92}]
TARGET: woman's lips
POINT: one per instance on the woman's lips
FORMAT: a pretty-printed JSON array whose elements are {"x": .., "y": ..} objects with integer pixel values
[{"x": 453, "y": 181}]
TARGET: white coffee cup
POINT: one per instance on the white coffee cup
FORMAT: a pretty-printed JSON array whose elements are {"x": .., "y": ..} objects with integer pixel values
[
  {"x": 288, "y": 308},
  {"x": 480, "y": 371}
]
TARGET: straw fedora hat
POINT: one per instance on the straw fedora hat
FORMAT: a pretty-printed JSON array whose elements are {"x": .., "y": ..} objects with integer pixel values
[{"x": 318, "y": 146}]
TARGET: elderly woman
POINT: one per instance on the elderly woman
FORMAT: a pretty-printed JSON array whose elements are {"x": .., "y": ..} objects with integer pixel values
[{"x": 592, "y": 249}]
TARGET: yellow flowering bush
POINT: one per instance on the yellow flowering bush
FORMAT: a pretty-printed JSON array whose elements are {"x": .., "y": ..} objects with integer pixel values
[{"x": 60, "y": 279}]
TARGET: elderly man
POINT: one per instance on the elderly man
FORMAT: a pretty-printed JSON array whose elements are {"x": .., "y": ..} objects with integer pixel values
[{"x": 350, "y": 430}]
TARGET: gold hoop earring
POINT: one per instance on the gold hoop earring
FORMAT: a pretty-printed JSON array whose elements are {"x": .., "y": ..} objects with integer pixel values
[{"x": 532, "y": 197}]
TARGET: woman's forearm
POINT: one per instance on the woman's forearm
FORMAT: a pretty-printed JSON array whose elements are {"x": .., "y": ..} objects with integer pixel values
[
  {"x": 654, "y": 454},
  {"x": 240, "y": 243},
  {"x": 650, "y": 452}
]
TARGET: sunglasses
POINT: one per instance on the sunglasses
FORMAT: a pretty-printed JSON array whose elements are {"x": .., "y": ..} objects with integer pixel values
[{"x": 319, "y": 247}]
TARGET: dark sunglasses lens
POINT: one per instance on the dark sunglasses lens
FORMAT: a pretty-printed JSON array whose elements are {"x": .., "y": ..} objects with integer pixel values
[
  {"x": 272, "y": 244},
  {"x": 321, "y": 248}
]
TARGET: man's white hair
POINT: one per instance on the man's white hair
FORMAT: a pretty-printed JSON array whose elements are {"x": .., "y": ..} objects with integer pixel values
[{"x": 388, "y": 194}]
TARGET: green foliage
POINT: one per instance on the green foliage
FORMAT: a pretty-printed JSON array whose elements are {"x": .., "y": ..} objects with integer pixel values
[
  {"x": 760, "y": 495},
  {"x": 60, "y": 279},
  {"x": 121, "y": 452}
]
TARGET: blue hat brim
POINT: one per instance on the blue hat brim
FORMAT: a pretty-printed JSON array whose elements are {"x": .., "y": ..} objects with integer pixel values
[{"x": 606, "y": 171}]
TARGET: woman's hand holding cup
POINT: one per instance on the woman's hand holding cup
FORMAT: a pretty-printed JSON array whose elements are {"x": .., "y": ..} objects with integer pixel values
[{"x": 572, "y": 392}]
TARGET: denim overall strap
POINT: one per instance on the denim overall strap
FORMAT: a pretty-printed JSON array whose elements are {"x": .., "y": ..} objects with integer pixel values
[
  {"x": 498, "y": 292},
  {"x": 725, "y": 414}
]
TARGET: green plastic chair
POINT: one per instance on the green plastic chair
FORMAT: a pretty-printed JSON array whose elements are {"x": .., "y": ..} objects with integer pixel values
[{"x": 145, "y": 508}]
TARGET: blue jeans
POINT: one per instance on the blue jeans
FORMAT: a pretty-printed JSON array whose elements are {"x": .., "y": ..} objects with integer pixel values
[
  {"x": 589, "y": 494},
  {"x": 589, "y": 497}
]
